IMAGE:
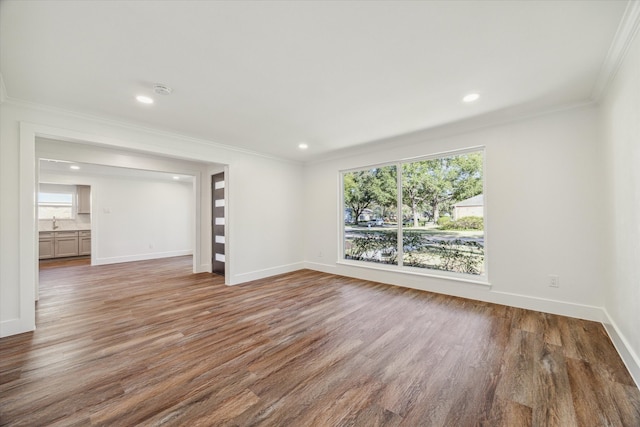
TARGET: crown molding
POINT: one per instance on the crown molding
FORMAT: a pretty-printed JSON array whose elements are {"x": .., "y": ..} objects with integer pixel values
[
  {"x": 138, "y": 128},
  {"x": 627, "y": 30}
]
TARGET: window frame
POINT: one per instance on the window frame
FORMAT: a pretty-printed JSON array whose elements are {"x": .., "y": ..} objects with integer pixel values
[
  {"x": 481, "y": 279},
  {"x": 58, "y": 189}
]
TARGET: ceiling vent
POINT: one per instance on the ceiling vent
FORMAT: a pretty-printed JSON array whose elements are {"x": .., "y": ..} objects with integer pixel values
[{"x": 161, "y": 89}]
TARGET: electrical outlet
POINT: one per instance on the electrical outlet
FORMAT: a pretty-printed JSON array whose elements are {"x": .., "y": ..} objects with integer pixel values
[{"x": 554, "y": 280}]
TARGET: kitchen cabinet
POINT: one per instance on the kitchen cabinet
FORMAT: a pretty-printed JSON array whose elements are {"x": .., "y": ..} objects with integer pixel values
[
  {"x": 84, "y": 199},
  {"x": 59, "y": 244},
  {"x": 45, "y": 245},
  {"x": 84, "y": 242},
  {"x": 65, "y": 243}
]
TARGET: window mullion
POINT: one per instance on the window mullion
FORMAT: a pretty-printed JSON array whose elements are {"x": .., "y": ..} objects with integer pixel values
[{"x": 399, "y": 213}]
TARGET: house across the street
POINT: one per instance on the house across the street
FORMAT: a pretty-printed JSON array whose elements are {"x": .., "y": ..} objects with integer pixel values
[{"x": 473, "y": 206}]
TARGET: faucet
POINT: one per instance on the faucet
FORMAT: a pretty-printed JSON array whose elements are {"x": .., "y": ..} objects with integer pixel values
[{"x": 54, "y": 223}]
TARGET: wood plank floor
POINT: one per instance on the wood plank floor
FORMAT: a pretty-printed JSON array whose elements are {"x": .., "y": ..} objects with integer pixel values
[{"x": 148, "y": 343}]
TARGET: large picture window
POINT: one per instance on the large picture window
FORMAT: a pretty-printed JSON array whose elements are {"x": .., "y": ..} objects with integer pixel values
[{"x": 421, "y": 214}]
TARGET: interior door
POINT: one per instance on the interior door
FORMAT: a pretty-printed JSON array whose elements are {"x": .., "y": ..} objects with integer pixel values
[{"x": 218, "y": 223}]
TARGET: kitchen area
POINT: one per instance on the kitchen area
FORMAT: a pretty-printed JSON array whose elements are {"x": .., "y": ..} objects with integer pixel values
[
  {"x": 64, "y": 221},
  {"x": 114, "y": 207}
]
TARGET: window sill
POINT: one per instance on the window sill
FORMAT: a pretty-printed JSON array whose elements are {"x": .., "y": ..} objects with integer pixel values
[{"x": 457, "y": 277}]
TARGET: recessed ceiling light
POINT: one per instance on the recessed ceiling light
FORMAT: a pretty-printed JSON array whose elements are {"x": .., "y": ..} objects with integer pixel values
[
  {"x": 74, "y": 167},
  {"x": 144, "y": 99},
  {"x": 176, "y": 178},
  {"x": 303, "y": 146},
  {"x": 471, "y": 97}
]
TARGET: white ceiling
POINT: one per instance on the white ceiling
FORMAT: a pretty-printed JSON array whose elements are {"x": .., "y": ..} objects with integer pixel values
[{"x": 266, "y": 76}]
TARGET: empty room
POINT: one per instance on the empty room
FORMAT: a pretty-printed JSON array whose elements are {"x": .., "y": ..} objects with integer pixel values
[{"x": 320, "y": 213}]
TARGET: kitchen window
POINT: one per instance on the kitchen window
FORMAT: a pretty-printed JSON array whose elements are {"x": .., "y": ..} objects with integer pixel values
[{"x": 57, "y": 201}]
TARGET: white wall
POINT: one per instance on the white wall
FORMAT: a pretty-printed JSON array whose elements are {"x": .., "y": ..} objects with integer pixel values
[
  {"x": 10, "y": 297},
  {"x": 136, "y": 218},
  {"x": 256, "y": 184},
  {"x": 544, "y": 212},
  {"x": 621, "y": 135},
  {"x": 265, "y": 219},
  {"x": 141, "y": 219}
]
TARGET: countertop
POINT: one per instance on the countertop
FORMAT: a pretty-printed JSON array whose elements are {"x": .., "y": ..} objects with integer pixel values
[{"x": 65, "y": 229}]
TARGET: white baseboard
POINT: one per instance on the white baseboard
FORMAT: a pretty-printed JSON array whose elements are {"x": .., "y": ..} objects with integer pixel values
[
  {"x": 325, "y": 268},
  {"x": 562, "y": 308},
  {"x": 141, "y": 257},
  {"x": 267, "y": 272},
  {"x": 204, "y": 268},
  {"x": 465, "y": 290},
  {"x": 629, "y": 357},
  {"x": 16, "y": 326}
]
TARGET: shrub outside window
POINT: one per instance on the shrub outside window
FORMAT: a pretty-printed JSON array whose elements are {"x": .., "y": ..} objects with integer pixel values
[{"x": 424, "y": 214}]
